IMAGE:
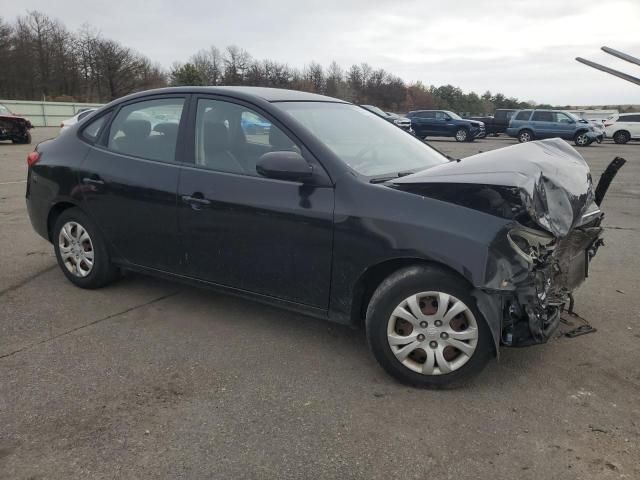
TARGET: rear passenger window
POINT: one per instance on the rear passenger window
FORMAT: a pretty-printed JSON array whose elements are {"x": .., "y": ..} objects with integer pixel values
[
  {"x": 147, "y": 129},
  {"x": 524, "y": 115},
  {"x": 543, "y": 117},
  {"x": 630, "y": 118}
]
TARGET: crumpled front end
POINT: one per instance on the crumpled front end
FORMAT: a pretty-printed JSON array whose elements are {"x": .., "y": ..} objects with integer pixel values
[{"x": 545, "y": 191}]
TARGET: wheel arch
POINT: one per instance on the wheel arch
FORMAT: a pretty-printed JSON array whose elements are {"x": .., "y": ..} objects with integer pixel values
[
  {"x": 374, "y": 275},
  {"x": 54, "y": 213}
]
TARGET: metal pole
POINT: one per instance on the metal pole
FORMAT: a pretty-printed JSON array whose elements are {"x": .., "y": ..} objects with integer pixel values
[
  {"x": 622, "y": 55},
  {"x": 611, "y": 71}
]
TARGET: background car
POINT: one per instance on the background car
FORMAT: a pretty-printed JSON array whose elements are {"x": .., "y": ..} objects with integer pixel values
[
  {"x": 527, "y": 125},
  {"x": 403, "y": 122},
  {"x": 443, "y": 123},
  {"x": 14, "y": 127},
  {"x": 498, "y": 123},
  {"x": 623, "y": 127},
  {"x": 76, "y": 118}
]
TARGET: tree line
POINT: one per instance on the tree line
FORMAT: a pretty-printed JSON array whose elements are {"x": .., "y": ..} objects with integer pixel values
[{"x": 41, "y": 59}]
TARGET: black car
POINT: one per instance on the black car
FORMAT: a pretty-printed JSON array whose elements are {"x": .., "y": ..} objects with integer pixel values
[
  {"x": 498, "y": 123},
  {"x": 403, "y": 122},
  {"x": 443, "y": 123},
  {"x": 331, "y": 211}
]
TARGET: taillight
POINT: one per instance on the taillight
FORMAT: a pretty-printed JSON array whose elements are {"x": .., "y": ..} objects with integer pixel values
[
  {"x": 608, "y": 124},
  {"x": 32, "y": 158}
]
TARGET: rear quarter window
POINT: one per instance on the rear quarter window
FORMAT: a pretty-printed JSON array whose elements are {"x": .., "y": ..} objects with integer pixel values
[
  {"x": 524, "y": 115},
  {"x": 91, "y": 132}
]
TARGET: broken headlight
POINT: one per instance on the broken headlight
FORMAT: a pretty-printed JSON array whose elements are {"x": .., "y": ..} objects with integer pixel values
[{"x": 532, "y": 245}]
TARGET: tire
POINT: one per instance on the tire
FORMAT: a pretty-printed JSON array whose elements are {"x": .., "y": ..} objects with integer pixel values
[
  {"x": 582, "y": 140},
  {"x": 382, "y": 328},
  {"x": 525, "y": 136},
  {"x": 621, "y": 137},
  {"x": 462, "y": 135},
  {"x": 73, "y": 255}
]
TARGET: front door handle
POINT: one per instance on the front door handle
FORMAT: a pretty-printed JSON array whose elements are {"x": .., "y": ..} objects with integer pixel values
[
  {"x": 95, "y": 181},
  {"x": 195, "y": 202}
]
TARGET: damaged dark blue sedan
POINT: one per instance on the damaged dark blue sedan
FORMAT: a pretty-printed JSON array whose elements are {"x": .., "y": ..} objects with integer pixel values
[{"x": 329, "y": 210}]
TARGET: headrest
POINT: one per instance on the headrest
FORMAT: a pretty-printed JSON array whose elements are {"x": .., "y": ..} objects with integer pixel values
[
  {"x": 216, "y": 137},
  {"x": 167, "y": 128},
  {"x": 278, "y": 139},
  {"x": 136, "y": 128}
]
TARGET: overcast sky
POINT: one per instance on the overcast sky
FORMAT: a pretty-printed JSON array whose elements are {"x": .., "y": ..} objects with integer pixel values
[{"x": 524, "y": 49}]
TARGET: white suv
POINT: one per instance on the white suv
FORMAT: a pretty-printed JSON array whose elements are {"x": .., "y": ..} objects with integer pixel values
[{"x": 623, "y": 127}]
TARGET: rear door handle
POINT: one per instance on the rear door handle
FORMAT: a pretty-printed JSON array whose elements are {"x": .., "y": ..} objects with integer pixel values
[{"x": 95, "y": 181}]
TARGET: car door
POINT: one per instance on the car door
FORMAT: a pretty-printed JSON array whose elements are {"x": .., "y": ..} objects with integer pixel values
[
  {"x": 564, "y": 126},
  {"x": 419, "y": 123},
  {"x": 129, "y": 181},
  {"x": 442, "y": 124},
  {"x": 245, "y": 231},
  {"x": 542, "y": 124}
]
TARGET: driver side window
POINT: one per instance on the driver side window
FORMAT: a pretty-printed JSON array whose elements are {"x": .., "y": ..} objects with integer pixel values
[{"x": 231, "y": 138}]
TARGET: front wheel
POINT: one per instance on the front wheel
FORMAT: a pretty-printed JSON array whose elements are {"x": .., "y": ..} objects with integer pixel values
[
  {"x": 462, "y": 135},
  {"x": 81, "y": 252},
  {"x": 425, "y": 330},
  {"x": 582, "y": 140}
]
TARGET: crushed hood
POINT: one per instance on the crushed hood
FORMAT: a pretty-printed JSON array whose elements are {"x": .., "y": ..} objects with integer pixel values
[{"x": 548, "y": 179}]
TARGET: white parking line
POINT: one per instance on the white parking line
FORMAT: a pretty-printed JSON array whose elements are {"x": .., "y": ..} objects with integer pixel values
[{"x": 9, "y": 183}]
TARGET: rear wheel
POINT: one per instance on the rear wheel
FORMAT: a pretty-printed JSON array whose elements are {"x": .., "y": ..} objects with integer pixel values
[
  {"x": 81, "y": 252},
  {"x": 621, "y": 137},
  {"x": 425, "y": 330},
  {"x": 525, "y": 136},
  {"x": 462, "y": 135}
]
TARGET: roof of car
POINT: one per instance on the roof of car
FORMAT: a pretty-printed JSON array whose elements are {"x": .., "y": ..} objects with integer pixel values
[{"x": 265, "y": 93}]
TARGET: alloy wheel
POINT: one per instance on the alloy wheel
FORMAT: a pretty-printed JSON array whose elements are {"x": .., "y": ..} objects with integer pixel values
[
  {"x": 461, "y": 135},
  {"x": 76, "y": 249},
  {"x": 525, "y": 137},
  {"x": 432, "y": 333},
  {"x": 582, "y": 139}
]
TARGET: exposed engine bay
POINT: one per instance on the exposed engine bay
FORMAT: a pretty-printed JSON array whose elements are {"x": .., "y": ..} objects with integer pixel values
[{"x": 546, "y": 192}]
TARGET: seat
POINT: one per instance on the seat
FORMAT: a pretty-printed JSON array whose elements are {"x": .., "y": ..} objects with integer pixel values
[
  {"x": 216, "y": 149},
  {"x": 133, "y": 142},
  {"x": 162, "y": 141}
]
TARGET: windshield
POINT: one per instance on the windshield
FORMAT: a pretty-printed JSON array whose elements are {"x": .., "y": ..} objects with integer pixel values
[
  {"x": 4, "y": 110},
  {"x": 453, "y": 115},
  {"x": 367, "y": 143}
]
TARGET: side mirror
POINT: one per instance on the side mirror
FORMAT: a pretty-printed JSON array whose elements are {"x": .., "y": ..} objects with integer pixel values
[
  {"x": 447, "y": 118},
  {"x": 284, "y": 166}
]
